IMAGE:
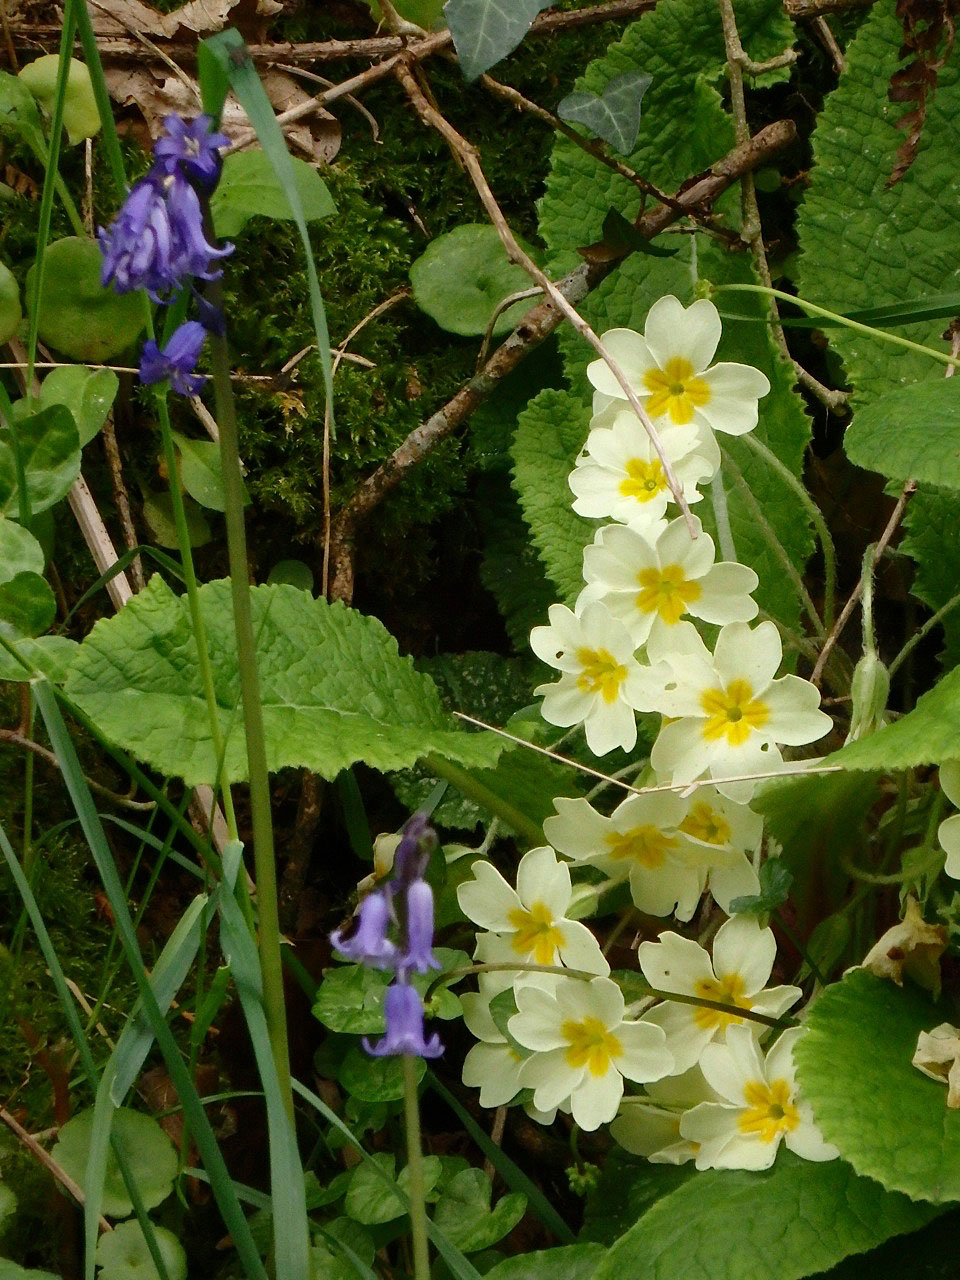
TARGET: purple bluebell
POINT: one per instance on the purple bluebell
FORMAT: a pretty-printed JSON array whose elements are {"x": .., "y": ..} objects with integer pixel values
[
  {"x": 418, "y": 905},
  {"x": 138, "y": 246},
  {"x": 177, "y": 361},
  {"x": 368, "y": 942},
  {"x": 191, "y": 254},
  {"x": 418, "y": 840},
  {"x": 191, "y": 146},
  {"x": 403, "y": 1010}
]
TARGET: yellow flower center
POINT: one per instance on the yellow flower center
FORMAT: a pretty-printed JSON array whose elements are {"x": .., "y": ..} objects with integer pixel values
[
  {"x": 601, "y": 673},
  {"x": 646, "y": 845},
  {"x": 591, "y": 1045},
  {"x": 727, "y": 990},
  {"x": 732, "y": 713},
  {"x": 667, "y": 592},
  {"x": 536, "y": 933},
  {"x": 644, "y": 479},
  {"x": 769, "y": 1111},
  {"x": 674, "y": 390},
  {"x": 704, "y": 823}
]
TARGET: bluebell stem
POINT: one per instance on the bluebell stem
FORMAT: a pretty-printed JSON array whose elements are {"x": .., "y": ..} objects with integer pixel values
[
  {"x": 177, "y": 361},
  {"x": 406, "y": 901},
  {"x": 403, "y": 1010},
  {"x": 192, "y": 146}
]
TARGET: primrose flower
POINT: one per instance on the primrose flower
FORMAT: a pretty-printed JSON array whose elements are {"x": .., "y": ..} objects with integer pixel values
[
  {"x": 403, "y": 1010},
  {"x": 619, "y": 475},
  {"x": 582, "y": 1047},
  {"x": 649, "y": 1126},
  {"x": 728, "y": 712},
  {"x": 651, "y": 580},
  {"x": 601, "y": 683},
  {"x": 493, "y": 1065},
  {"x": 669, "y": 368},
  {"x": 948, "y": 833},
  {"x": 531, "y": 920},
  {"x": 176, "y": 361},
  {"x": 743, "y": 957},
  {"x": 190, "y": 146},
  {"x": 760, "y": 1107}
]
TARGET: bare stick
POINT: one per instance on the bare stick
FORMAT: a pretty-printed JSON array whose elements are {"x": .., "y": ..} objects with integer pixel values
[
  {"x": 121, "y": 498},
  {"x": 536, "y": 325},
  {"x": 35, "y": 1149},
  {"x": 17, "y": 739}
]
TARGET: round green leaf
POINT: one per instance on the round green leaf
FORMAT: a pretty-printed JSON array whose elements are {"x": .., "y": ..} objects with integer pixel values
[
  {"x": 122, "y": 1254},
  {"x": 854, "y": 1065},
  {"x": 149, "y": 1153},
  {"x": 201, "y": 473},
  {"x": 333, "y": 685},
  {"x": 77, "y": 315},
  {"x": 27, "y": 605},
  {"x": 248, "y": 187},
  {"x": 80, "y": 115},
  {"x": 50, "y": 452},
  {"x": 374, "y": 1079},
  {"x": 20, "y": 552},
  {"x": 295, "y": 573},
  {"x": 351, "y": 1000},
  {"x": 462, "y": 276},
  {"x": 12, "y": 1271},
  {"x": 10, "y": 310},
  {"x": 463, "y": 1212},
  {"x": 87, "y": 393}
]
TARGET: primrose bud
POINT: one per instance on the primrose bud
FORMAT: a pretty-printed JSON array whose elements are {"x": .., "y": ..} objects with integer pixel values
[{"x": 869, "y": 691}]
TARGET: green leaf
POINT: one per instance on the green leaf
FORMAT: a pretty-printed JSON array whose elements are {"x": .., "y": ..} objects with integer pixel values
[
  {"x": 913, "y": 432},
  {"x": 370, "y": 1200},
  {"x": 937, "y": 579},
  {"x": 775, "y": 882},
  {"x": 614, "y": 114},
  {"x": 550, "y": 434},
  {"x": 511, "y": 569},
  {"x": 122, "y": 1254},
  {"x": 88, "y": 394},
  {"x": 628, "y": 1187},
  {"x": 150, "y": 1154},
  {"x": 294, "y": 573},
  {"x": 461, "y": 277},
  {"x": 20, "y": 552},
  {"x": 81, "y": 117},
  {"x": 464, "y": 1214},
  {"x": 158, "y": 513},
  {"x": 50, "y": 452},
  {"x": 11, "y": 312},
  {"x": 77, "y": 315},
  {"x": 8, "y": 1204},
  {"x": 12, "y": 1271},
  {"x": 796, "y": 1219},
  {"x": 27, "y": 605},
  {"x": 925, "y": 735},
  {"x": 50, "y": 654},
  {"x": 374, "y": 1079},
  {"x": 351, "y": 999},
  {"x": 569, "y": 1262},
  {"x": 888, "y": 1119},
  {"x": 623, "y": 236},
  {"x": 425, "y": 13},
  {"x": 333, "y": 686},
  {"x": 249, "y": 188},
  {"x": 484, "y": 31},
  {"x": 200, "y": 471}
]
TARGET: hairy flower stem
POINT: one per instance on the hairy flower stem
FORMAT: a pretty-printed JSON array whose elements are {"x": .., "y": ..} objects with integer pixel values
[
  {"x": 263, "y": 851},
  {"x": 415, "y": 1190}
]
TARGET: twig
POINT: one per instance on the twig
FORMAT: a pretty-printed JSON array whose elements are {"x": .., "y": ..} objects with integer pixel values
[
  {"x": 837, "y": 402},
  {"x": 328, "y": 84},
  {"x": 798, "y": 9},
  {"x": 121, "y": 498},
  {"x": 829, "y": 42},
  {"x": 18, "y": 739},
  {"x": 35, "y": 1149},
  {"x": 851, "y": 604},
  {"x": 536, "y": 325},
  {"x": 470, "y": 159}
]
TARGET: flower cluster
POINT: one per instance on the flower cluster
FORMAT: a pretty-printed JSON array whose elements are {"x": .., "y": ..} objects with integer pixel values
[
  {"x": 158, "y": 243},
  {"x": 633, "y": 643},
  {"x": 403, "y": 907}
]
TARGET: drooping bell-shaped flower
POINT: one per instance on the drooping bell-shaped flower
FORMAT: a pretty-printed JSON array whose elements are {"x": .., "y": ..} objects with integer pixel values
[
  {"x": 138, "y": 246},
  {"x": 191, "y": 146},
  {"x": 368, "y": 942},
  {"x": 176, "y": 361},
  {"x": 419, "y": 931},
  {"x": 403, "y": 1010},
  {"x": 192, "y": 254}
]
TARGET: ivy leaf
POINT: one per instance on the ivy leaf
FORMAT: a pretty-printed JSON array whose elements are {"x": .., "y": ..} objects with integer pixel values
[
  {"x": 911, "y": 432},
  {"x": 463, "y": 1212},
  {"x": 796, "y": 1219},
  {"x": 614, "y": 114},
  {"x": 484, "y": 31},
  {"x": 853, "y": 1063},
  {"x": 370, "y": 1201},
  {"x": 249, "y": 188},
  {"x": 50, "y": 450},
  {"x": 926, "y": 735},
  {"x": 775, "y": 881},
  {"x": 550, "y": 434},
  {"x": 333, "y": 686}
]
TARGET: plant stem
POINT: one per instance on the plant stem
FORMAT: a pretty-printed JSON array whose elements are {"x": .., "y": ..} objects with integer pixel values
[
  {"x": 418, "y": 1207},
  {"x": 925, "y": 630},
  {"x": 804, "y": 305},
  {"x": 473, "y": 789},
  {"x": 263, "y": 851}
]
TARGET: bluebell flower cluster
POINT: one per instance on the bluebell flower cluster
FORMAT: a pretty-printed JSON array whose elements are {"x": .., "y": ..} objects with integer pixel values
[
  {"x": 403, "y": 907},
  {"x": 157, "y": 242}
]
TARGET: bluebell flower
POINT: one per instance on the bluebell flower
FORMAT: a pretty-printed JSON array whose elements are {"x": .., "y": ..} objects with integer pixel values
[
  {"x": 177, "y": 361},
  {"x": 191, "y": 254},
  {"x": 413, "y": 852},
  {"x": 191, "y": 147},
  {"x": 403, "y": 1010},
  {"x": 138, "y": 245},
  {"x": 418, "y": 954},
  {"x": 368, "y": 942}
]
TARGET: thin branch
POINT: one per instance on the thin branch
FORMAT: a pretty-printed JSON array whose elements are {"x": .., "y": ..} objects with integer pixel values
[
  {"x": 18, "y": 739},
  {"x": 38, "y": 1153},
  {"x": 536, "y": 325},
  {"x": 121, "y": 498}
]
